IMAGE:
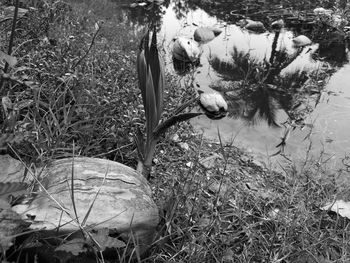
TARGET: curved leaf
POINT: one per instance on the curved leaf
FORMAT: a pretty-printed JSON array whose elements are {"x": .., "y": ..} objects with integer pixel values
[{"x": 161, "y": 128}]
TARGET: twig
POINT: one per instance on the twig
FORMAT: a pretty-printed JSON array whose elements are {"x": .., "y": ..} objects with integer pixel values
[{"x": 87, "y": 52}]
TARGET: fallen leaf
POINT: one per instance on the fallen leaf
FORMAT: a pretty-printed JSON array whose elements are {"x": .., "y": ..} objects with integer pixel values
[
  {"x": 74, "y": 246},
  {"x": 6, "y": 104},
  {"x": 12, "y": 170},
  {"x": 13, "y": 189},
  {"x": 10, "y": 225},
  {"x": 12, "y": 61},
  {"x": 104, "y": 241}
]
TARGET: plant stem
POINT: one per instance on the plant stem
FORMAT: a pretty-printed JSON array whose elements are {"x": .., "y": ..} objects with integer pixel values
[
  {"x": 87, "y": 52},
  {"x": 147, "y": 163}
]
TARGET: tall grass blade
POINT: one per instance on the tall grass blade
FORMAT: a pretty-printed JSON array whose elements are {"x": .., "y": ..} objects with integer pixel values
[{"x": 72, "y": 190}]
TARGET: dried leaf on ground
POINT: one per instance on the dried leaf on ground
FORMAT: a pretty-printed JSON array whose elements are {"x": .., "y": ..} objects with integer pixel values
[
  {"x": 11, "y": 61},
  {"x": 74, "y": 246},
  {"x": 12, "y": 188},
  {"x": 104, "y": 241},
  {"x": 12, "y": 170},
  {"x": 10, "y": 225},
  {"x": 6, "y": 103}
]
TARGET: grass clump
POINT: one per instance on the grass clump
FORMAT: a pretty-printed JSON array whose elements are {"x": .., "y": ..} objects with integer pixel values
[
  {"x": 75, "y": 93},
  {"x": 226, "y": 207}
]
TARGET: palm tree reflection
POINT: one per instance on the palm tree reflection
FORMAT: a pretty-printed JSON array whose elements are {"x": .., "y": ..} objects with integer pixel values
[
  {"x": 257, "y": 90},
  {"x": 150, "y": 14},
  {"x": 260, "y": 104},
  {"x": 182, "y": 67}
]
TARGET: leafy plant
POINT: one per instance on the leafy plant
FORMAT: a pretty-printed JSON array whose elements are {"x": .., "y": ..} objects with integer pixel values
[{"x": 151, "y": 75}]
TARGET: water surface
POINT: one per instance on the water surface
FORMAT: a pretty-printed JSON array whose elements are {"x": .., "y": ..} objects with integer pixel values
[{"x": 325, "y": 127}]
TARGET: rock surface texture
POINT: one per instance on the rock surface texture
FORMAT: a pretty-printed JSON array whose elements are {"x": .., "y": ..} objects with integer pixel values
[
  {"x": 119, "y": 198},
  {"x": 206, "y": 34}
]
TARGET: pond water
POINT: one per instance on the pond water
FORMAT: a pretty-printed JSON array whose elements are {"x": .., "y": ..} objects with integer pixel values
[
  {"x": 309, "y": 100},
  {"x": 325, "y": 125}
]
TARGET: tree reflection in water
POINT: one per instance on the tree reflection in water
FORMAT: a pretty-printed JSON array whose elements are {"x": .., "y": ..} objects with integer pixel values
[
  {"x": 257, "y": 90},
  {"x": 149, "y": 15}
]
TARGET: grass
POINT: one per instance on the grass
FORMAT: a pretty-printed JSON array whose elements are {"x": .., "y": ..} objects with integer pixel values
[
  {"x": 245, "y": 213},
  {"x": 234, "y": 210},
  {"x": 92, "y": 105},
  {"x": 240, "y": 212}
]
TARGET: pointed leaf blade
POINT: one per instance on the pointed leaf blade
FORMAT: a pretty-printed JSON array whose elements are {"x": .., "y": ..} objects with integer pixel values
[
  {"x": 161, "y": 128},
  {"x": 157, "y": 68}
]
